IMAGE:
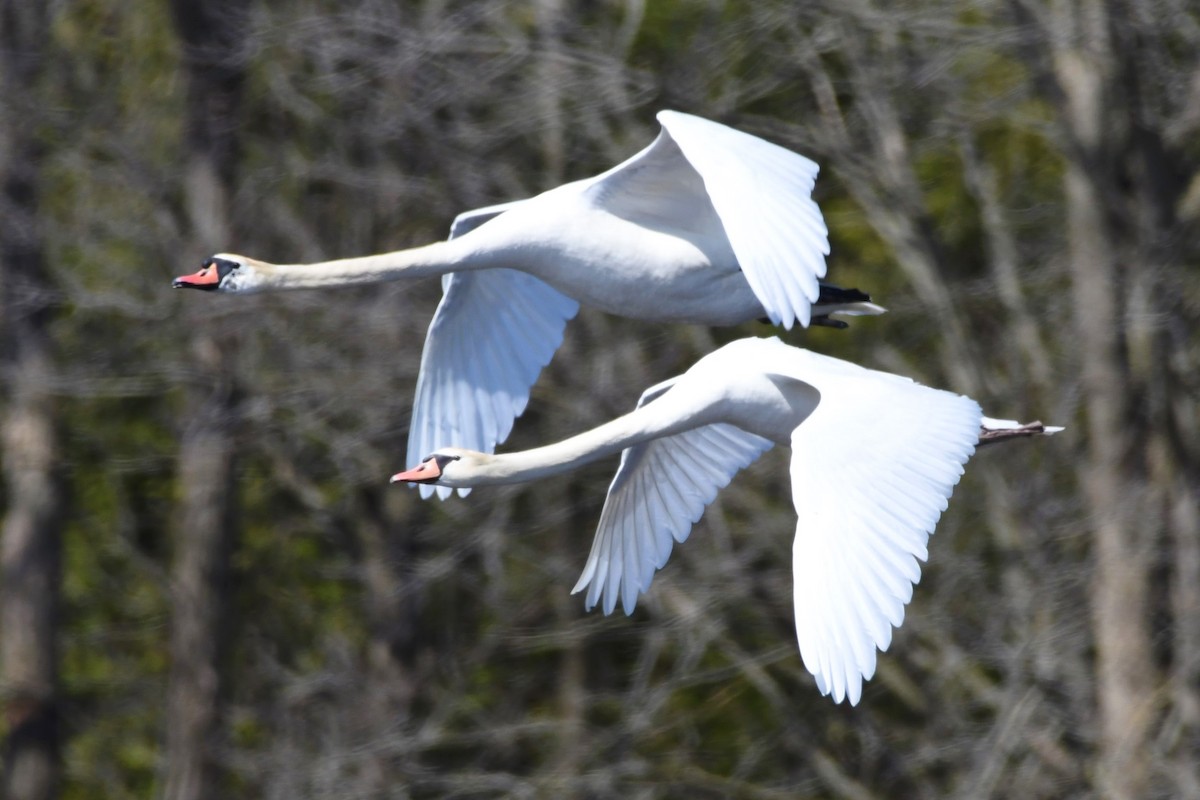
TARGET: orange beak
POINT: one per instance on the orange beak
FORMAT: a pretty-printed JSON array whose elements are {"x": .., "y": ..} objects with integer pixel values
[
  {"x": 207, "y": 278},
  {"x": 426, "y": 472}
]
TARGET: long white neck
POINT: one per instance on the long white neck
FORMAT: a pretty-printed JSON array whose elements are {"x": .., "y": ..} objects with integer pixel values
[
  {"x": 643, "y": 424},
  {"x": 418, "y": 262}
]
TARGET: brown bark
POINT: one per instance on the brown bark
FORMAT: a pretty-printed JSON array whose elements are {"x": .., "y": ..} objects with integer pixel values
[
  {"x": 30, "y": 539},
  {"x": 1184, "y": 520},
  {"x": 1084, "y": 66},
  {"x": 212, "y": 33},
  {"x": 199, "y": 585},
  {"x": 29, "y": 592},
  {"x": 550, "y": 20}
]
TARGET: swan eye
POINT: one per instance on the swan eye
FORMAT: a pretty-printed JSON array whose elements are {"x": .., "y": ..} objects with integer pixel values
[{"x": 442, "y": 459}]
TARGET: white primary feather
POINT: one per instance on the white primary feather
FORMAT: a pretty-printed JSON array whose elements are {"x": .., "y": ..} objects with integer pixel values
[
  {"x": 491, "y": 335},
  {"x": 872, "y": 470},
  {"x": 763, "y": 195},
  {"x": 660, "y": 490}
]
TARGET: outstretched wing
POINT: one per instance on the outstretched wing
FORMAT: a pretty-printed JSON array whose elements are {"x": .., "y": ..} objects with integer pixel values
[
  {"x": 490, "y": 337},
  {"x": 763, "y": 195},
  {"x": 660, "y": 490},
  {"x": 872, "y": 470}
]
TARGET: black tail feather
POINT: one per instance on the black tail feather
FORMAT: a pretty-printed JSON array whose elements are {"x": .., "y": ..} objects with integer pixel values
[{"x": 831, "y": 294}]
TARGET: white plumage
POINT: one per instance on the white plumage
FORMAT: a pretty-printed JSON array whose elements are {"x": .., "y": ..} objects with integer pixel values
[
  {"x": 875, "y": 458},
  {"x": 706, "y": 225}
]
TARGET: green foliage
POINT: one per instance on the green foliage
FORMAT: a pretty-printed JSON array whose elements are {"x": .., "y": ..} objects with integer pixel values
[{"x": 114, "y": 660}]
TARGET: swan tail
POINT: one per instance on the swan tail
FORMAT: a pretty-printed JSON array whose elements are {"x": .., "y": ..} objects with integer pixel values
[
  {"x": 998, "y": 430},
  {"x": 836, "y": 300}
]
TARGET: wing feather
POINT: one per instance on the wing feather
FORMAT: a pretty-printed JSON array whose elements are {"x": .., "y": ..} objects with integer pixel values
[
  {"x": 660, "y": 490},
  {"x": 490, "y": 337},
  {"x": 763, "y": 195},
  {"x": 872, "y": 470}
]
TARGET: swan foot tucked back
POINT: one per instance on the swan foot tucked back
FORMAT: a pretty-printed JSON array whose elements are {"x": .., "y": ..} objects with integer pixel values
[
  {"x": 875, "y": 458},
  {"x": 706, "y": 225}
]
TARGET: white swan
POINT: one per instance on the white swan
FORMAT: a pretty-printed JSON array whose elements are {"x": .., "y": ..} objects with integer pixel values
[
  {"x": 875, "y": 458},
  {"x": 706, "y": 225}
]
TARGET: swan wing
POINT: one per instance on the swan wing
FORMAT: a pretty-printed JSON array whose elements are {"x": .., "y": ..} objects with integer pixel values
[
  {"x": 491, "y": 335},
  {"x": 660, "y": 490},
  {"x": 763, "y": 195},
  {"x": 468, "y": 221},
  {"x": 872, "y": 470}
]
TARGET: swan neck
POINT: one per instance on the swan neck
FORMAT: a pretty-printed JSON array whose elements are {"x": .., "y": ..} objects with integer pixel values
[
  {"x": 418, "y": 262},
  {"x": 553, "y": 459}
]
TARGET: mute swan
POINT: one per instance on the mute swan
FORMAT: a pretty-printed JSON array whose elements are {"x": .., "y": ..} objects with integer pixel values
[
  {"x": 707, "y": 225},
  {"x": 875, "y": 458}
]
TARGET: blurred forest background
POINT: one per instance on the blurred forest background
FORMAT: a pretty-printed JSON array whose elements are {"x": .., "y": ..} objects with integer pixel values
[{"x": 209, "y": 589}]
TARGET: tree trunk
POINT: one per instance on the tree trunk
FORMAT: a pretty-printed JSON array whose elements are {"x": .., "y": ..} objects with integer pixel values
[
  {"x": 31, "y": 534},
  {"x": 29, "y": 592},
  {"x": 1119, "y": 602},
  {"x": 199, "y": 588},
  {"x": 1114, "y": 486},
  {"x": 212, "y": 33}
]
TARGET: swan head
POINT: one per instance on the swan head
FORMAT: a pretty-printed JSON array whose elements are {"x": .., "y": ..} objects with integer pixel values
[
  {"x": 224, "y": 272},
  {"x": 448, "y": 466}
]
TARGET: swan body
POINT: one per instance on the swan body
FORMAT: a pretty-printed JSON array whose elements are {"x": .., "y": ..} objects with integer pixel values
[
  {"x": 706, "y": 225},
  {"x": 875, "y": 458}
]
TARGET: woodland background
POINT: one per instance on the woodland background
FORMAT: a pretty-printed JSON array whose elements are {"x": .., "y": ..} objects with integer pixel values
[{"x": 209, "y": 589}]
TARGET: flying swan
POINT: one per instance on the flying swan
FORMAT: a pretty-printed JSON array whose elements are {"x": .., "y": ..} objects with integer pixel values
[
  {"x": 875, "y": 458},
  {"x": 707, "y": 225}
]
